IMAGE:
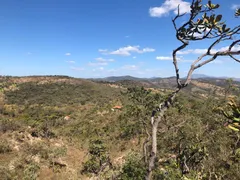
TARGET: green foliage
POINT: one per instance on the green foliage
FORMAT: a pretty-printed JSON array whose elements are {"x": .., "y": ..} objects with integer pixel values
[
  {"x": 232, "y": 112},
  {"x": 204, "y": 21},
  {"x": 30, "y": 171},
  {"x": 9, "y": 125},
  {"x": 4, "y": 147},
  {"x": 237, "y": 12},
  {"x": 138, "y": 109},
  {"x": 210, "y": 149},
  {"x": 168, "y": 171},
  {"x": 134, "y": 168},
  {"x": 6, "y": 174},
  {"x": 59, "y": 94},
  {"x": 191, "y": 157},
  {"x": 99, "y": 158}
]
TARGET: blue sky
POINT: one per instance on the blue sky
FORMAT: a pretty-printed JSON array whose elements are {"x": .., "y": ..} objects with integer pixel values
[{"x": 92, "y": 38}]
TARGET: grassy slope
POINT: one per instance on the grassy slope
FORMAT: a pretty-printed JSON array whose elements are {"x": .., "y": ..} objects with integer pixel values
[{"x": 36, "y": 135}]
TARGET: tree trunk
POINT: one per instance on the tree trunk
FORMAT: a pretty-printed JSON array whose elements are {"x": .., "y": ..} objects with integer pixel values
[
  {"x": 163, "y": 108},
  {"x": 153, "y": 154}
]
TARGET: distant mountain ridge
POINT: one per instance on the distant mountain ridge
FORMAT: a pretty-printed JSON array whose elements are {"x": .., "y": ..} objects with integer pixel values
[
  {"x": 118, "y": 78},
  {"x": 132, "y": 78}
]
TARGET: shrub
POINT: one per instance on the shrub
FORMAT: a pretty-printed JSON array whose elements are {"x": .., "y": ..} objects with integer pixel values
[
  {"x": 99, "y": 158},
  {"x": 4, "y": 147},
  {"x": 134, "y": 168},
  {"x": 30, "y": 171},
  {"x": 8, "y": 125}
]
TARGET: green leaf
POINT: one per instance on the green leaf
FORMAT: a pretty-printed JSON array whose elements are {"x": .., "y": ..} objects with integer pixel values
[
  {"x": 237, "y": 12},
  {"x": 211, "y": 18},
  {"x": 217, "y": 6},
  {"x": 226, "y": 30},
  {"x": 200, "y": 21},
  {"x": 218, "y": 18}
]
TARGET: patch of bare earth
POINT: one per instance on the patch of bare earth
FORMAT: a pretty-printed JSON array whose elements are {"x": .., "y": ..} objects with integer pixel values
[{"x": 72, "y": 162}]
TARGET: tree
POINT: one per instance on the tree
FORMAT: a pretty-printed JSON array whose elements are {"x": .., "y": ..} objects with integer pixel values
[
  {"x": 203, "y": 24},
  {"x": 232, "y": 112}
]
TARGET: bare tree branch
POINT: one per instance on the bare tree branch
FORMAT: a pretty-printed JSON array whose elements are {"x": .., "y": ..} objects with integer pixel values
[
  {"x": 210, "y": 27},
  {"x": 230, "y": 48}
]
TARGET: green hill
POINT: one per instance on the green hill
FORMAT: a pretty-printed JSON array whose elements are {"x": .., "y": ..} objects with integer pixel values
[{"x": 58, "y": 127}]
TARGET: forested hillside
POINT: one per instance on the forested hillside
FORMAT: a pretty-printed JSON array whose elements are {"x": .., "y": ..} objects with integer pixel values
[{"x": 67, "y": 128}]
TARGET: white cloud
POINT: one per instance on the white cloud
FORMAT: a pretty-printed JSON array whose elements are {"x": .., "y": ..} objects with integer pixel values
[
  {"x": 193, "y": 51},
  {"x": 235, "y": 6},
  {"x": 234, "y": 48},
  {"x": 202, "y": 51},
  {"x": 167, "y": 58},
  {"x": 202, "y": 32},
  {"x": 98, "y": 69},
  {"x": 98, "y": 64},
  {"x": 102, "y": 51},
  {"x": 77, "y": 68},
  {"x": 168, "y": 6},
  {"x": 112, "y": 70},
  {"x": 71, "y": 62},
  {"x": 130, "y": 67},
  {"x": 104, "y": 60},
  {"x": 134, "y": 57},
  {"x": 164, "y": 58},
  {"x": 217, "y": 62},
  {"x": 148, "y": 50},
  {"x": 67, "y": 54},
  {"x": 126, "y": 51}
]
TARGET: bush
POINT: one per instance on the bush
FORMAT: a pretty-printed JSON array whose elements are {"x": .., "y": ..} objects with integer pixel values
[
  {"x": 30, "y": 171},
  {"x": 134, "y": 168},
  {"x": 4, "y": 147},
  {"x": 99, "y": 158},
  {"x": 8, "y": 125}
]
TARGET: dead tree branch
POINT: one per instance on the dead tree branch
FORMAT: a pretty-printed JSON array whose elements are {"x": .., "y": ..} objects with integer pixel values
[{"x": 203, "y": 24}]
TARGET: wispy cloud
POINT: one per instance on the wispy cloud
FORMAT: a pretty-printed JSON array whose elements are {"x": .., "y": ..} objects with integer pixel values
[
  {"x": 29, "y": 53},
  {"x": 235, "y": 6},
  {"x": 71, "y": 62},
  {"x": 168, "y": 6},
  {"x": 68, "y": 54},
  {"x": 202, "y": 51},
  {"x": 77, "y": 68},
  {"x": 193, "y": 51},
  {"x": 235, "y": 48},
  {"x": 129, "y": 67},
  {"x": 126, "y": 51},
  {"x": 98, "y": 69},
  {"x": 182, "y": 60},
  {"x": 104, "y": 60},
  {"x": 97, "y": 63},
  {"x": 103, "y": 51},
  {"x": 101, "y": 62},
  {"x": 164, "y": 58},
  {"x": 217, "y": 62}
]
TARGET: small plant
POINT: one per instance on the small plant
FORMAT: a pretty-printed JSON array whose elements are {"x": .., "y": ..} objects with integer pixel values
[
  {"x": 8, "y": 125},
  {"x": 4, "y": 147},
  {"x": 133, "y": 168},
  {"x": 232, "y": 112},
  {"x": 30, "y": 171},
  {"x": 99, "y": 158}
]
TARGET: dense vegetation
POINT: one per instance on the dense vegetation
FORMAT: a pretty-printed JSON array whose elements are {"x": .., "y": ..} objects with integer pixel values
[{"x": 38, "y": 141}]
